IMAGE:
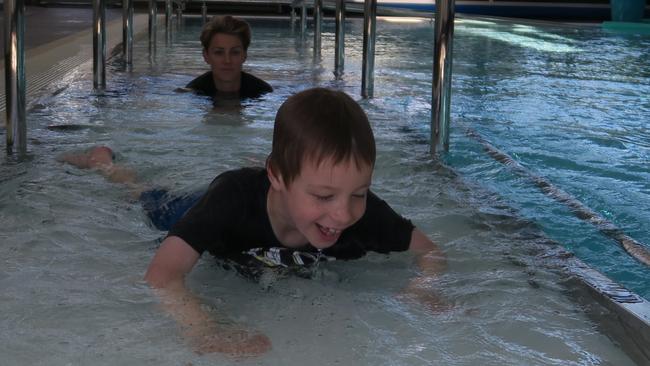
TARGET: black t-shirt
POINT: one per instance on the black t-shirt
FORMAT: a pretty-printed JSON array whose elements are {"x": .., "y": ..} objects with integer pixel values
[
  {"x": 251, "y": 86},
  {"x": 231, "y": 222}
]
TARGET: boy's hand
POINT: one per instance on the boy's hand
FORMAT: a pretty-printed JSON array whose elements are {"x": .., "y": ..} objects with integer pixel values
[
  {"x": 235, "y": 343},
  {"x": 422, "y": 293},
  {"x": 431, "y": 262}
]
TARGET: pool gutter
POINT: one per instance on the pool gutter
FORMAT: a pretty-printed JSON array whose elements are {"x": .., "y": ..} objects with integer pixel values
[
  {"x": 630, "y": 312},
  {"x": 623, "y": 315}
]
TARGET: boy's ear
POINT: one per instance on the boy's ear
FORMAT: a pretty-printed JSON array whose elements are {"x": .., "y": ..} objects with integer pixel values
[{"x": 277, "y": 183}]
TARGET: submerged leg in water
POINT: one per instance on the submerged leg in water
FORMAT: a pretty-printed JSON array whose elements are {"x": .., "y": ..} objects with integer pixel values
[{"x": 163, "y": 208}]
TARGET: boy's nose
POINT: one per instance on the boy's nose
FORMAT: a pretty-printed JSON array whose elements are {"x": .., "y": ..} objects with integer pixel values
[{"x": 342, "y": 214}]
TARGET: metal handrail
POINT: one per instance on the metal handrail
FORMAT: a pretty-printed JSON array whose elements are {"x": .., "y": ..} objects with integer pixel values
[
  {"x": 339, "y": 42},
  {"x": 168, "y": 19},
  {"x": 441, "y": 85},
  {"x": 153, "y": 25},
  {"x": 16, "y": 129},
  {"x": 368, "y": 57},
  {"x": 442, "y": 76},
  {"x": 442, "y": 60},
  {"x": 127, "y": 32},
  {"x": 318, "y": 22},
  {"x": 99, "y": 44}
]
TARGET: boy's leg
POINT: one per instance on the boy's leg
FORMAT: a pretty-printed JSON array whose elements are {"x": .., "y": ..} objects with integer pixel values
[
  {"x": 101, "y": 158},
  {"x": 96, "y": 157},
  {"x": 162, "y": 208}
]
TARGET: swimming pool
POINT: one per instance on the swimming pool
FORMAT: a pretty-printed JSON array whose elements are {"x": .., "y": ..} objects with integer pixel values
[
  {"x": 75, "y": 248},
  {"x": 571, "y": 105}
]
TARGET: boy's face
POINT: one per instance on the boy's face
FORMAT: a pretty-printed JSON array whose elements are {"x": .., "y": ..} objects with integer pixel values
[
  {"x": 324, "y": 200},
  {"x": 225, "y": 55}
]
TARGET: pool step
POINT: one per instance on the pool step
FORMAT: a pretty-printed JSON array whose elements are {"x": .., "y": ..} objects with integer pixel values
[
  {"x": 50, "y": 62},
  {"x": 628, "y": 316}
]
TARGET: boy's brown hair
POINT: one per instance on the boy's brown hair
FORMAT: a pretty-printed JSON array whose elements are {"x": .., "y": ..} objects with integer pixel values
[
  {"x": 229, "y": 25},
  {"x": 319, "y": 124}
]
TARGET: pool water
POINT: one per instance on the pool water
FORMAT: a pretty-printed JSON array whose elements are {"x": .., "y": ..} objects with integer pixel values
[
  {"x": 570, "y": 105},
  {"x": 75, "y": 247},
  {"x": 554, "y": 100}
]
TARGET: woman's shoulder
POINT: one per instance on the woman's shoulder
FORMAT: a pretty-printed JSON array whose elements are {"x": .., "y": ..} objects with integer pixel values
[
  {"x": 202, "y": 84},
  {"x": 252, "y": 86}
]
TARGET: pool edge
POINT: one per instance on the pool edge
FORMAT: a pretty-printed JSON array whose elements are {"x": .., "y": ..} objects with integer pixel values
[
  {"x": 623, "y": 315},
  {"x": 53, "y": 60}
]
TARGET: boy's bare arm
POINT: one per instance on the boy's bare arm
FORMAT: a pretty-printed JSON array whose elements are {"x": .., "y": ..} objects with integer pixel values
[
  {"x": 206, "y": 334},
  {"x": 431, "y": 262},
  {"x": 173, "y": 260}
]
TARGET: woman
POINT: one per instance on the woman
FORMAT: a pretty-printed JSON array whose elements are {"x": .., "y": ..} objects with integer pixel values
[{"x": 225, "y": 41}]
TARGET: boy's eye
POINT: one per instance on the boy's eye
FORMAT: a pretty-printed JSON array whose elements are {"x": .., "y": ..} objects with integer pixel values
[
  {"x": 360, "y": 195},
  {"x": 326, "y": 197}
]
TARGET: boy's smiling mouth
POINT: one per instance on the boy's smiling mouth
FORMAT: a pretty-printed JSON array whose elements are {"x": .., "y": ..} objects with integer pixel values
[{"x": 328, "y": 233}]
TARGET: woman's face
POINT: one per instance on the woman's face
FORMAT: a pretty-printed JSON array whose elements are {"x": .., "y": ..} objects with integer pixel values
[{"x": 225, "y": 55}]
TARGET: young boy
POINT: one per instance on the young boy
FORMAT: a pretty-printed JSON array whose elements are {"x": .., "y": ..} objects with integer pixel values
[
  {"x": 312, "y": 202},
  {"x": 225, "y": 42}
]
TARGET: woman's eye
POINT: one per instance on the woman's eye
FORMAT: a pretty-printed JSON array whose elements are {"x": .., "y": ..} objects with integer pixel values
[{"x": 359, "y": 195}]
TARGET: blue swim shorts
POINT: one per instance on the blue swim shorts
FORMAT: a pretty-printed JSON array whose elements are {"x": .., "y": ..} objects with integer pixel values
[{"x": 164, "y": 209}]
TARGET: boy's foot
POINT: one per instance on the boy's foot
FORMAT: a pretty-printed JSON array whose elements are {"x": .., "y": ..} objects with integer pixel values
[{"x": 94, "y": 158}]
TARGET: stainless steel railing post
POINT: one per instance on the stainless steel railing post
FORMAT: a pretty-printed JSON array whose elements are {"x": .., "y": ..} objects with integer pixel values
[
  {"x": 153, "y": 25},
  {"x": 16, "y": 128},
  {"x": 339, "y": 50},
  {"x": 99, "y": 44},
  {"x": 369, "y": 35},
  {"x": 127, "y": 31},
  {"x": 441, "y": 85},
  {"x": 204, "y": 13},
  {"x": 168, "y": 20},
  {"x": 318, "y": 22},
  {"x": 303, "y": 19},
  {"x": 179, "y": 13}
]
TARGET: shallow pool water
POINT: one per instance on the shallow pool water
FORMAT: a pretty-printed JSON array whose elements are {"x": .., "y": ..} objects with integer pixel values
[{"x": 75, "y": 247}]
